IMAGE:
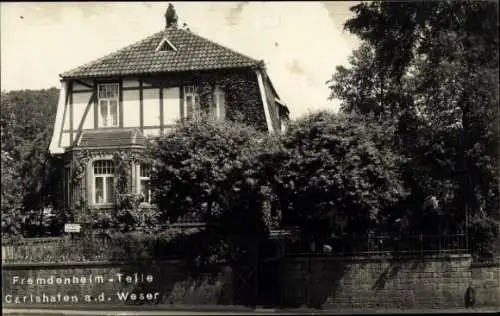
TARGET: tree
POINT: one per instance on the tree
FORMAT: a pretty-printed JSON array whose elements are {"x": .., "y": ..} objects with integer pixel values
[
  {"x": 437, "y": 64},
  {"x": 171, "y": 16},
  {"x": 27, "y": 119}
]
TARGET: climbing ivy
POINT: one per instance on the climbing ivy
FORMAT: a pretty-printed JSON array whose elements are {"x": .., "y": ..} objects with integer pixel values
[
  {"x": 242, "y": 95},
  {"x": 126, "y": 213},
  {"x": 122, "y": 168}
]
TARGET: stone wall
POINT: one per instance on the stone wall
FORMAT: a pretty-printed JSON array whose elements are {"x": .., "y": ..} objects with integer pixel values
[
  {"x": 113, "y": 283},
  {"x": 387, "y": 283},
  {"x": 486, "y": 282},
  {"x": 343, "y": 284}
]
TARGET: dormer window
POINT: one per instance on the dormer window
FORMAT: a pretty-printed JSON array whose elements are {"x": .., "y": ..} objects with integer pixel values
[
  {"x": 108, "y": 102},
  {"x": 165, "y": 45}
]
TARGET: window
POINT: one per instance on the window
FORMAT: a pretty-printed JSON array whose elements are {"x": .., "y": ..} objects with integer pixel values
[
  {"x": 103, "y": 182},
  {"x": 218, "y": 110},
  {"x": 143, "y": 183},
  {"x": 108, "y": 100},
  {"x": 191, "y": 102}
]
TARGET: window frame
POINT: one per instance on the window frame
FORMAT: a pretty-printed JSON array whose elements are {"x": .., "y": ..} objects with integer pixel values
[
  {"x": 220, "y": 112},
  {"x": 108, "y": 100},
  {"x": 139, "y": 179},
  {"x": 105, "y": 177},
  {"x": 190, "y": 91}
]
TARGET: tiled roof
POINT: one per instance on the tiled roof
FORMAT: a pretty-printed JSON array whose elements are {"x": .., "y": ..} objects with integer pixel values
[
  {"x": 111, "y": 138},
  {"x": 192, "y": 52}
]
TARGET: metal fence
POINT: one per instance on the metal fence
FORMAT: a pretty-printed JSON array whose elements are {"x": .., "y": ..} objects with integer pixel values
[
  {"x": 378, "y": 245},
  {"x": 176, "y": 241},
  {"x": 183, "y": 242}
]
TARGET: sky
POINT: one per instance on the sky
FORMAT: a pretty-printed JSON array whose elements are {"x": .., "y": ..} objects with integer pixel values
[{"x": 300, "y": 42}]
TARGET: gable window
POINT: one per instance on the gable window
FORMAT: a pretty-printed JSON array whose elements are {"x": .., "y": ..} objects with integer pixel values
[
  {"x": 143, "y": 183},
  {"x": 103, "y": 182},
  {"x": 108, "y": 102},
  {"x": 218, "y": 109},
  {"x": 191, "y": 102}
]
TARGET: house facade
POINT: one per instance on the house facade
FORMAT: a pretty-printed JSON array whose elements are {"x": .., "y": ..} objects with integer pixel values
[{"x": 108, "y": 107}]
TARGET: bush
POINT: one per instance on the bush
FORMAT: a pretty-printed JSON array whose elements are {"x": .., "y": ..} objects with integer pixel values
[
  {"x": 339, "y": 167},
  {"x": 214, "y": 172},
  {"x": 484, "y": 236}
]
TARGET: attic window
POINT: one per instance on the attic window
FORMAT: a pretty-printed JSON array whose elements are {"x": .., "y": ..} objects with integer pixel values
[{"x": 165, "y": 45}]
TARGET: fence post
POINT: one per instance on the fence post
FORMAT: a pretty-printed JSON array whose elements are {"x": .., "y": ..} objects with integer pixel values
[
  {"x": 421, "y": 244},
  {"x": 308, "y": 283}
]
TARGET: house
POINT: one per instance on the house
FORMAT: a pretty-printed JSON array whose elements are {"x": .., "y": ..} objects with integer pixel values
[{"x": 111, "y": 105}]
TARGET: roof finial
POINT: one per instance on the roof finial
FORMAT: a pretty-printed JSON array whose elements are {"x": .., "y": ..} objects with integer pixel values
[{"x": 171, "y": 17}]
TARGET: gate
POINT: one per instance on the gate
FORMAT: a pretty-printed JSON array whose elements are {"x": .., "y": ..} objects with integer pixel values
[
  {"x": 245, "y": 274},
  {"x": 257, "y": 277}
]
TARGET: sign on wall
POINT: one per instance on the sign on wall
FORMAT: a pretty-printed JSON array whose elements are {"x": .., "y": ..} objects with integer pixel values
[{"x": 72, "y": 228}]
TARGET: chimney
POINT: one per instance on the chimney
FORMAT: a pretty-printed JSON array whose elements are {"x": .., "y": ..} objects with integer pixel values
[{"x": 171, "y": 17}]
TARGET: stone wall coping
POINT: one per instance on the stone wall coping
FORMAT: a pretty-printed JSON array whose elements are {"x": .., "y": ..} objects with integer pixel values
[
  {"x": 440, "y": 257},
  {"x": 59, "y": 265},
  {"x": 485, "y": 264},
  {"x": 72, "y": 265}
]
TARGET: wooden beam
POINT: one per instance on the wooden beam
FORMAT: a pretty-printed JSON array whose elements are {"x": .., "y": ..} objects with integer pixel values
[
  {"x": 138, "y": 88},
  {"x": 71, "y": 113},
  {"x": 96, "y": 109},
  {"x": 109, "y": 128},
  {"x": 263, "y": 96},
  {"x": 141, "y": 106},
  {"x": 87, "y": 108},
  {"x": 161, "y": 111},
  {"x": 157, "y": 127},
  {"x": 181, "y": 101},
  {"x": 64, "y": 114},
  {"x": 120, "y": 103},
  {"x": 83, "y": 83},
  {"x": 83, "y": 91}
]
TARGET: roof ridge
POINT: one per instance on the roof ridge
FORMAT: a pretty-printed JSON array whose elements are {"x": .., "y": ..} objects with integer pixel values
[
  {"x": 220, "y": 45},
  {"x": 116, "y": 52}
]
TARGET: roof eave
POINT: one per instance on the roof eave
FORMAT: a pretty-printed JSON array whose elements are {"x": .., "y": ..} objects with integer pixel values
[
  {"x": 142, "y": 74},
  {"x": 79, "y": 148}
]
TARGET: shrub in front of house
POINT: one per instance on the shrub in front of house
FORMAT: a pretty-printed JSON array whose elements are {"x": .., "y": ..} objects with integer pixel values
[
  {"x": 336, "y": 175},
  {"x": 214, "y": 172}
]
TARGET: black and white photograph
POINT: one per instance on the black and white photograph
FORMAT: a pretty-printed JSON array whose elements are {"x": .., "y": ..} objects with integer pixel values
[{"x": 250, "y": 158}]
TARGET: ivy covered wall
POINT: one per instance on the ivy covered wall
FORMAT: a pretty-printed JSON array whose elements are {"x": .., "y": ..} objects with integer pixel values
[
  {"x": 243, "y": 100},
  {"x": 80, "y": 163}
]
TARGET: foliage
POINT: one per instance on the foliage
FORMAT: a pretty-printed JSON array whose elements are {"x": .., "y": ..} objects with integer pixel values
[
  {"x": 27, "y": 118},
  {"x": 130, "y": 216},
  {"x": 242, "y": 93},
  {"x": 85, "y": 248},
  {"x": 338, "y": 166},
  {"x": 431, "y": 68},
  {"x": 211, "y": 171}
]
